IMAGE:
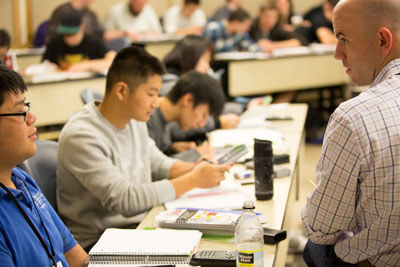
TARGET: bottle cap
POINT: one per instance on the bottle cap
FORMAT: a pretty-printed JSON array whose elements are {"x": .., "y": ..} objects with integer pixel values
[
  {"x": 262, "y": 148},
  {"x": 248, "y": 205}
]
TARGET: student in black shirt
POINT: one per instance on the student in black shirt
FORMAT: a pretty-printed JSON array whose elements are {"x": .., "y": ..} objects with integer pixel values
[
  {"x": 266, "y": 26},
  {"x": 73, "y": 50},
  {"x": 317, "y": 24}
]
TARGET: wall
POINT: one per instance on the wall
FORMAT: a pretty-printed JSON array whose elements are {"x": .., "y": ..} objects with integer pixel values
[{"x": 6, "y": 15}]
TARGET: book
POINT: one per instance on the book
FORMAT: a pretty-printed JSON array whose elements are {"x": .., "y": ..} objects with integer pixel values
[
  {"x": 225, "y": 196},
  {"x": 208, "y": 221},
  {"x": 131, "y": 246}
]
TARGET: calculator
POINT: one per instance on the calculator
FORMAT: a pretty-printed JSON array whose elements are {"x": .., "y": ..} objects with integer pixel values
[
  {"x": 208, "y": 258},
  {"x": 231, "y": 155}
]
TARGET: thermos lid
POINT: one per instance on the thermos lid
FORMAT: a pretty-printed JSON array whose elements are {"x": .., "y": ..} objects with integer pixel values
[{"x": 262, "y": 148}]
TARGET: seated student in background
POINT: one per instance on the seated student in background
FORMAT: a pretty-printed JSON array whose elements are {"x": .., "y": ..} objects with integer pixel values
[
  {"x": 185, "y": 19},
  {"x": 193, "y": 52},
  {"x": 266, "y": 27},
  {"x": 135, "y": 17},
  {"x": 317, "y": 24},
  {"x": 193, "y": 99},
  {"x": 92, "y": 25},
  {"x": 285, "y": 8},
  {"x": 19, "y": 245},
  {"x": 110, "y": 172},
  {"x": 232, "y": 35},
  {"x": 223, "y": 12},
  {"x": 6, "y": 58},
  {"x": 73, "y": 50}
]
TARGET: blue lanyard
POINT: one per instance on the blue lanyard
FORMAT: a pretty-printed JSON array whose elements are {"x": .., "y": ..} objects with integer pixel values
[{"x": 52, "y": 255}]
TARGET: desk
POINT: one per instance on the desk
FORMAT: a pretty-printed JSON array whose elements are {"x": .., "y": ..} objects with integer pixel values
[
  {"x": 28, "y": 56},
  {"x": 283, "y": 73},
  {"x": 54, "y": 102},
  {"x": 277, "y": 210},
  {"x": 159, "y": 46}
]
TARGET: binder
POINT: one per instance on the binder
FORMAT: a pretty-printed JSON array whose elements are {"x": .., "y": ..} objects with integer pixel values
[
  {"x": 220, "y": 222},
  {"x": 129, "y": 246}
]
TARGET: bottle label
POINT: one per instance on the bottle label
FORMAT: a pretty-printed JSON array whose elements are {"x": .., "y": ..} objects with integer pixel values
[{"x": 250, "y": 258}]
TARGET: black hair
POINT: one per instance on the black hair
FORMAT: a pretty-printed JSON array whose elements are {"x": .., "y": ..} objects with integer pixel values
[
  {"x": 239, "y": 15},
  {"x": 132, "y": 65},
  {"x": 196, "y": 2},
  {"x": 10, "y": 82},
  {"x": 187, "y": 52},
  {"x": 5, "y": 39},
  {"x": 333, "y": 2},
  {"x": 204, "y": 88}
]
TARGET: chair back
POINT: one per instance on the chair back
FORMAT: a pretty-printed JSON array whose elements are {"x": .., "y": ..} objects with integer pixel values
[
  {"x": 89, "y": 95},
  {"x": 42, "y": 167}
]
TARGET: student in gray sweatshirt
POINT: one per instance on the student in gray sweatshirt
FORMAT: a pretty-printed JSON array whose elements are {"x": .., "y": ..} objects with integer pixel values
[{"x": 110, "y": 172}]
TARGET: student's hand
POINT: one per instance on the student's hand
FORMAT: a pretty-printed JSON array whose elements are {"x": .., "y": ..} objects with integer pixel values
[
  {"x": 81, "y": 66},
  {"x": 182, "y": 146},
  {"x": 132, "y": 35},
  {"x": 208, "y": 175},
  {"x": 255, "y": 102},
  {"x": 229, "y": 121},
  {"x": 266, "y": 45},
  {"x": 206, "y": 151}
]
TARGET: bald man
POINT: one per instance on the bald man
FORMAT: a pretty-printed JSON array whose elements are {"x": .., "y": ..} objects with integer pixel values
[{"x": 352, "y": 218}]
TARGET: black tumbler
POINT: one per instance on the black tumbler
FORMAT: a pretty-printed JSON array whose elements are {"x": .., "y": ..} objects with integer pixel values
[{"x": 264, "y": 169}]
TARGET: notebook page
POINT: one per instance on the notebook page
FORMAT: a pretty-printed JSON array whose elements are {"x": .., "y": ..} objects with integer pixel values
[{"x": 146, "y": 242}]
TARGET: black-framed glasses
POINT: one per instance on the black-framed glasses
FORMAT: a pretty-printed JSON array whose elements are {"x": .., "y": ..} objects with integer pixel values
[{"x": 25, "y": 113}]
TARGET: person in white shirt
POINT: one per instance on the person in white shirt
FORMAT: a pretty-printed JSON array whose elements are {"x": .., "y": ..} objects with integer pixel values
[
  {"x": 185, "y": 19},
  {"x": 135, "y": 17}
]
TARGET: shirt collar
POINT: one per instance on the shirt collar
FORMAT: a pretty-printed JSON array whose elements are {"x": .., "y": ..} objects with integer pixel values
[
  {"x": 16, "y": 177},
  {"x": 391, "y": 69}
]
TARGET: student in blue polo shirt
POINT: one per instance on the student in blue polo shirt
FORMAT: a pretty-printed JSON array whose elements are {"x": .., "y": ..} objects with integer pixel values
[{"x": 31, "y": 233}]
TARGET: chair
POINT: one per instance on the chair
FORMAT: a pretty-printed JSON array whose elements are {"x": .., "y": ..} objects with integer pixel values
[
  {"x": 42, "y": 167},
  {"x": 89, "y": 95}
]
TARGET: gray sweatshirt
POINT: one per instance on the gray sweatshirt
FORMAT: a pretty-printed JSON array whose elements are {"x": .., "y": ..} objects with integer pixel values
[{"x": 108, "y": 177}]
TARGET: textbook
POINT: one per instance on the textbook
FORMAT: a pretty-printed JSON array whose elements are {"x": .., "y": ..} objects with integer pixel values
[
  {"x": 144, "y": 247},
  {"x": 219, "y": 222}
]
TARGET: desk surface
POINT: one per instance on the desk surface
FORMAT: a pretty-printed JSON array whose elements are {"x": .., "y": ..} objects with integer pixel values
[
  {"x": 266, "y": 75},
  {"x": 277, "y": 210},
  {"x": 54, "y": 102}
]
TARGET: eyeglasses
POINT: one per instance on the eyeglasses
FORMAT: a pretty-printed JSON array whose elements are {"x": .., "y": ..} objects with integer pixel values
[{"x": 25, "y": 113}]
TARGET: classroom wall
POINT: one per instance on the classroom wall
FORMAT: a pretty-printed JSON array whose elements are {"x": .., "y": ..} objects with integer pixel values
[{"x": 6, "y": 15}]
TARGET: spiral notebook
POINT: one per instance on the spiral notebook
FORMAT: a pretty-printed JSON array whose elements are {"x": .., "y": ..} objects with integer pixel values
[
  {"x": 144, "y": 247},
  {"x": 208, "y": 221}
]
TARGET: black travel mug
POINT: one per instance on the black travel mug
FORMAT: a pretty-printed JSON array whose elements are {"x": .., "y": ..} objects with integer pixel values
[{"x": 264, "y": 169}]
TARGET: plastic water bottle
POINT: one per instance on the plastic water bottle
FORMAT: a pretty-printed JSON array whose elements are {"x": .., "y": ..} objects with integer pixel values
[{"x": 249, "y": 238}]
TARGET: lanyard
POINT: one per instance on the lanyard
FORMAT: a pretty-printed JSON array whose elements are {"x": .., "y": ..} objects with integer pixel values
[{"x": 52, "y": 255}]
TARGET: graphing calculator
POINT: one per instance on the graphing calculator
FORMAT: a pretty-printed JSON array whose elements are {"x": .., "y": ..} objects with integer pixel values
[
  {"x": 208, "y": 258},
  {"x": 232, "y": 154}
]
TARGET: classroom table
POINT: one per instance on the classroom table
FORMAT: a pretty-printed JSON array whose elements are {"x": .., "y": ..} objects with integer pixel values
[
  {"x": 260, "y": 75},
  {"x": 280, "y": 208},
  {"x": 159, "y": 46},
  {"x": 54, "y": 102},
  {"x": 28, "y": 56}
]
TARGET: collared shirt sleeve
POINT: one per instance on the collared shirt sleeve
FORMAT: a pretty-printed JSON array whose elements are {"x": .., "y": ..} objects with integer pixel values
[{"x": 330, "y": 210}]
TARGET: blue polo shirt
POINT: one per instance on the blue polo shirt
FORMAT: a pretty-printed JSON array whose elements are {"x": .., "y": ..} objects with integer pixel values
[{"x": 19, "y": 246}]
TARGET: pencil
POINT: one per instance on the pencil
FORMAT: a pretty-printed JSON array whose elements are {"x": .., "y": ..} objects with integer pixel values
[{"x": 312, "y": 182}]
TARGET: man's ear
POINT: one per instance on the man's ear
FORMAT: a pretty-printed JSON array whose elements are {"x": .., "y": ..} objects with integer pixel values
[
  {"x": 121, "y": 90},
  {"x": 187, "y": 100},
  {"x": 385, "y": 40}
]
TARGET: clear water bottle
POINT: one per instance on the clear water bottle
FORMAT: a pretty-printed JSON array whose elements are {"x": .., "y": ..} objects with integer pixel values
[{"x": 249, "y": 238}]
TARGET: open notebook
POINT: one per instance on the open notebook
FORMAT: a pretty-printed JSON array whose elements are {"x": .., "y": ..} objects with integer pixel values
[{"x": 160, "y": 246}]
